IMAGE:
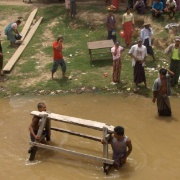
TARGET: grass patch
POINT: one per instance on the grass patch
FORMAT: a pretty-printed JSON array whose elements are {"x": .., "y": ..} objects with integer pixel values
[{"x": 35, "y": 62}]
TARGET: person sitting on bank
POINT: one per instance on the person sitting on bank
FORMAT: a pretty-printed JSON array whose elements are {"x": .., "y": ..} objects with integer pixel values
[
  {"x": 121, "y": 146},
  {"x": 11, "y": 31},
  {"x": 140, "y": 7},
  {"x": 157, "y": 8},
  {"x": 170, "y": 8}
]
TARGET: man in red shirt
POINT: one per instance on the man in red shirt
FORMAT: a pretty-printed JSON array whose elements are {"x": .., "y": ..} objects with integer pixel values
[{"x": 58, "y": 57}]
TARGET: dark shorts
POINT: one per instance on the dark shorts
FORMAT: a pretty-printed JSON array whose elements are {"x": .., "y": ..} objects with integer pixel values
[{"x": 58, "y": 62}]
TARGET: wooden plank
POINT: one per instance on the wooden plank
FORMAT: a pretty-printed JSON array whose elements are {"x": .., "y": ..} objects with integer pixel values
[
  {"x": 42, "y": 126},
  {"x": 100, "y": 44},
  {"x": 77, "y": 134},
  {"x": 28, "y": 24},
  {"x": 21, "y": 48},
  {"x": 77, "y": 121},
  {"x": 105, "y": 146},
  {"x": 78, "y": 154}
]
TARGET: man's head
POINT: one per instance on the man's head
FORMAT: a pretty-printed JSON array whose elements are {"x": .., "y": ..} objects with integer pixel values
[
  {"x": 128, "y": 10},
  {"x": 41, "y": 106},
  {"x": 177, "y": 40},
  {"x": 18, "y": 22},
  {"x": 139, "y": 41},
  {"x": 162, "y": 72},
  {"x": 118, "y": 131},
  {"x": 116, "y": 44},
  {"x": 60, "y": 38}
]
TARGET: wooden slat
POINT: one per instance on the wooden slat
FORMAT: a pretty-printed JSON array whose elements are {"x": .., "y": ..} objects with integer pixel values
[
  {"x": 105, "y": 146},
  {"x": 21, "y": 48},
  {"x": 77, "y": 121},
  {"x": 76, "y": 134},
  {"x": 78, "y": 154},
  {"x": 100, "y": 44},
  {"x": 28, "y": 23},
  {"x": 42, "y": 125}
]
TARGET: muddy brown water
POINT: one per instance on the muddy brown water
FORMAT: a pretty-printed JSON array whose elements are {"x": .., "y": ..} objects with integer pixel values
[{"x": 156, "y": 147}]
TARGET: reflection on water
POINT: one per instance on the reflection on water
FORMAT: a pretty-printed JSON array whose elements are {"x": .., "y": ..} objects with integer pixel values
[{"x": 155, "y": 139}]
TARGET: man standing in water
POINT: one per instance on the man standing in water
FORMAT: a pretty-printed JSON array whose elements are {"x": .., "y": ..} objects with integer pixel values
[
  {"x": 34, "y": 126},
  {"x": 121, "y": 146},
  {"x": 161, "y": 91}
]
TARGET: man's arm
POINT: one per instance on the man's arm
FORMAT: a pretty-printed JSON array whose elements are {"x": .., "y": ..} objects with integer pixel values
[
  {"x": 170, "y": 72},
  {"x": 128, "y": 152},
  {"x": 33, "y": 124},
  {"x": 154, "y": 96}
]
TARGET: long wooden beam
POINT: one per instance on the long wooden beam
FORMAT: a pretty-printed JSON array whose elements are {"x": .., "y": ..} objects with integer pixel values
[
  {"x": 77, "y": 134},
  {"x": 78, "y": 154},
  {"x": 28, "y": 23},
  {"x": 21, "y": 48},
  {"x": 76, "y": 121}
]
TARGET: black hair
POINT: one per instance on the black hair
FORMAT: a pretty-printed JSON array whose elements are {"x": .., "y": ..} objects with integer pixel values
[
  {"x": 40, "y": 105},
  {"x": 119, "y": 130},
  {"x": 128, "y": 8},
  {"x": 18, "y": 21},
  {"x": 163, "y": 71}
]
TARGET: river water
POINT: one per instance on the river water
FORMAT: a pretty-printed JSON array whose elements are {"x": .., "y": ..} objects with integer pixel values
[{"x": 155, "y": 140}]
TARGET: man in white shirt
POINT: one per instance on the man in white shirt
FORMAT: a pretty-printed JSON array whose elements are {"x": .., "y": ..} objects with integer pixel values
[
  {"x": 171, "y": 8},
  {"x": 145, "y": 35},
  {"x": 138, "y": 52}
]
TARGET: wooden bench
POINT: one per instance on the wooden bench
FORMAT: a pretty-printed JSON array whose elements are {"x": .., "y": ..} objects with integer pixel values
[
  {"x": 100, "y": 126},
  {"x": 95, "y": 45}
]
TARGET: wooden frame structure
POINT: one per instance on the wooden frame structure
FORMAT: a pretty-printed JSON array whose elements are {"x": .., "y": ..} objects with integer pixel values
[
  {"x": 94, "y": 45},
  {"x": 46, "y": 122}
]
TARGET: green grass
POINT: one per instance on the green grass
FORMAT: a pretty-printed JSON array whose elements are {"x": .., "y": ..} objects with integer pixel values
[{"x": 76, "y": 35}]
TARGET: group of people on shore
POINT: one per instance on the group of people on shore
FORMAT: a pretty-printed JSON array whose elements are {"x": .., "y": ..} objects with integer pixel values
[
  {"x": 139, "y": 52},
  {"x": 157, "y": 7}
]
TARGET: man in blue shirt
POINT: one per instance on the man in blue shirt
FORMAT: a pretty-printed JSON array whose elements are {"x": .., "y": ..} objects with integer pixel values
[{"x": 157, "y": 8}]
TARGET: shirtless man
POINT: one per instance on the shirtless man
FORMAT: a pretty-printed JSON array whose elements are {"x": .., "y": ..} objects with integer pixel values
[
  {"x": 121, "y": 146},
  {"x": 34, "y": 126},
  {"x": 161, "y": 91}
]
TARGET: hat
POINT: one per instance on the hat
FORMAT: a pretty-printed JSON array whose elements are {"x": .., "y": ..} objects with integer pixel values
[
  {"x": 139, "y": 39},
  {"x": 146, "y": 24}
]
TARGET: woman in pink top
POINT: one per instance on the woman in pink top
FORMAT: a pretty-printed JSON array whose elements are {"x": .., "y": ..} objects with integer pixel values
[{"x": 116, "y": 51}]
